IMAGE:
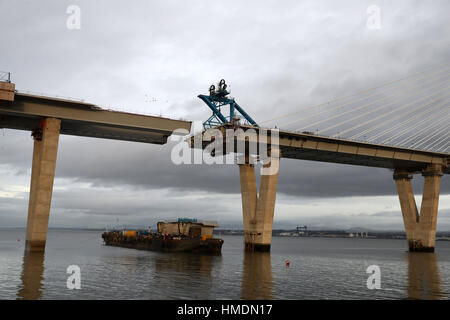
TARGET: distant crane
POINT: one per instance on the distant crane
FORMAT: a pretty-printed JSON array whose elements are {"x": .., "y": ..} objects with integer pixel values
[
  {"x": 299, "y": 228},
  {"x": 216, "y": 100}
]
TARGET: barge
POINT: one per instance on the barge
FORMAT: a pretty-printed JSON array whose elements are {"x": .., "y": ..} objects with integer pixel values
[{"x": 183, "y": 235}]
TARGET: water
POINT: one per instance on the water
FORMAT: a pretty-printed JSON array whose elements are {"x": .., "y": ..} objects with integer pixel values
[{"x": 320, "y": 268}]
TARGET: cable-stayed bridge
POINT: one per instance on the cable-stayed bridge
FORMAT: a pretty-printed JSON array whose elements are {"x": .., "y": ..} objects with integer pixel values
[
  {"x": 412, "y": 112},
  {"x": 402, "y": 125}
]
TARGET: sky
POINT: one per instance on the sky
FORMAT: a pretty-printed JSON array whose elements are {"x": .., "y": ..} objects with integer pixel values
[{"x": 155, "y": 57}]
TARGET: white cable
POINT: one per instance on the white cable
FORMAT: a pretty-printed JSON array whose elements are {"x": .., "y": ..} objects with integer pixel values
[
  {"x": 349, "y": 103},
  {"x": 404, "y": 131},
  {"x": 445, "y": 146},
  {"x": 391, "y": 120},
  {"x": 439, "y": 141},
  {"x": 376, "y": 118},
  {"x": 424, "y": 140},
  {"x": 359, "y": 108},
  {"x": 352, "y": 95},
  {"x": 401, "y": 124},
  {"x": 418, "y": 133},
  {"x": 408, "y": 139},
  {"x": 387, "y": 114}
]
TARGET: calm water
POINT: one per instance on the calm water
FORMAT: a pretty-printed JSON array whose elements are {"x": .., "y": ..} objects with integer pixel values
[{"x": 320, "y": 269}]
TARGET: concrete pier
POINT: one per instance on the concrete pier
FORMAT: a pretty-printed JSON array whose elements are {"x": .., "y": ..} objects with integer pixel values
[
  {"x": 420, "y": 228},
  {"x": 41, "y": 186},
  {"x": 48, "y": 117},
  {"x": 257, "y": 210}
]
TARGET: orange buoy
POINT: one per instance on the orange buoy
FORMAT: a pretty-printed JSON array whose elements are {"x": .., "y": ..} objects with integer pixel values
[{"x": 288, "y": 263}]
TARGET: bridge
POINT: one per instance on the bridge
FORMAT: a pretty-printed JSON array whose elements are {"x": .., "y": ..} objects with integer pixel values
[
  {"x": 258, "y": 210},
  {"x": 402, "y": 126},
  {"x": 253, "y": 142},
  {"x": 47, "y": 118}
]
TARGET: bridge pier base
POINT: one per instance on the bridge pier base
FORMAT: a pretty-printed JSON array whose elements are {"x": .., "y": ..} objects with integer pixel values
[
  {"x": 258, "y": 211},
  {"x": 41, "y": 186},
  {"x": 420, "y": 229}
]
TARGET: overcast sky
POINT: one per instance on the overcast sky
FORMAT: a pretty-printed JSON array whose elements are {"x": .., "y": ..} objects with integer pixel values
[{"x": 155, "y": 57}]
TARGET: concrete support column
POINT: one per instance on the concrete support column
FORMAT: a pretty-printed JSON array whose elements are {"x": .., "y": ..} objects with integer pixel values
[
  {"x": 249, "y": 194},
  {"x": 420, "y": 229},
  {"x": 41, "y": 186},
  {"x": 258, "y": 211}
]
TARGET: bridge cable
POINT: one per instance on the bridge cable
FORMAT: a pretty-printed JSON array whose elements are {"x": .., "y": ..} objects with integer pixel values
[
  {"x": 424, "y": 140},
  {"x": 349, "y": 103},
  {"x": 446, "y": 145},
  {"x": 440, "y": 140},
  {"x": 398, "y": 125},
  {"x": 385, "y": 114},
  {"x": 404, "y": 131},
  {"x": 353, "y": 95},
  {"x": 410, "y": 138},
  {"x": 393, "y": 119},
  {"x": 360, "y": 115}
]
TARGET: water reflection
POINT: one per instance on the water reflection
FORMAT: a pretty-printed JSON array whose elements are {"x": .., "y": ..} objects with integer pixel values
[
  {"x": 185, "y": 262},
  {"x": 423, "y": 276},
  {"x": 32, "y": 276},
  {"x": 191, "y": 276},
  {"x": 185, "y": 276},
  {"x": 257, "y": 276}
]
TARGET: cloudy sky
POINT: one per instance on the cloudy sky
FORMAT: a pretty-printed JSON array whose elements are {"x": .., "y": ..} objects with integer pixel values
[{"x": 155, "y": 57}]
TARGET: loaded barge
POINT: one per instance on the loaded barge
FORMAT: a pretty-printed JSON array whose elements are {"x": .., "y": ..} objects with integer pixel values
[{"x": 183, "y": 235}]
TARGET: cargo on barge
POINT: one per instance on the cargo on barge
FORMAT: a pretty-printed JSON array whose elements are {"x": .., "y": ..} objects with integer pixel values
[{"x": 183, "y": 235}]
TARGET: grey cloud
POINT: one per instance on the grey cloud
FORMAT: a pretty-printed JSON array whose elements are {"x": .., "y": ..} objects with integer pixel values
[
  {"x": 277, "y": 58},
  {"x": 109, "y": 163}
]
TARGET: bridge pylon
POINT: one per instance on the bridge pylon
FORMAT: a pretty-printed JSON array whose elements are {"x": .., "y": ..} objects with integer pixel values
[
  {"x": 42, "y": 176},
  {"x": 258, "y": 210},
  {"x": 420, "y": 228}
]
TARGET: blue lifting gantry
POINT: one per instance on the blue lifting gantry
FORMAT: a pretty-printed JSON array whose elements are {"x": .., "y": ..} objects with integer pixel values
[{"x": 218, "y": 99}]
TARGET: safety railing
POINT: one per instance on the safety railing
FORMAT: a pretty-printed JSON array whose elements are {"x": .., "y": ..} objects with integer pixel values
[{"x": 5, "y": 76}]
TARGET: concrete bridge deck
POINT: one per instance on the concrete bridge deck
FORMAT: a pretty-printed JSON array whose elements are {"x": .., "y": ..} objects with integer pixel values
[
  {"x": 26, "y": 111},
  {"x": 258, "y": 209},
  {"x": 49, "y": 117},
  {"x": 303, "y": 146}
]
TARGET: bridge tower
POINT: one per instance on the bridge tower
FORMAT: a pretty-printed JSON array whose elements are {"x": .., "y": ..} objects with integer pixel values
[
  {"x": 45, "y": 151},
  {"x": 257, "y": 209},
  {"x": 420, "y": 228}
]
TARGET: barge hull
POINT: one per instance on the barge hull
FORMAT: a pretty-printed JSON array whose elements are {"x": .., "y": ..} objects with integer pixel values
[{"x": 212, "y": 246}]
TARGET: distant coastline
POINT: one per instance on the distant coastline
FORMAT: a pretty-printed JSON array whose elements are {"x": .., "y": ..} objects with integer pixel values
[
  {"x": 440, "y": 236},
  {"x": 290, "y": 233}
]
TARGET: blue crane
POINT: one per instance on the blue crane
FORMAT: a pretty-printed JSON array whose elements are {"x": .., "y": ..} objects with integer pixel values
[{"x": 216, "y": 100}]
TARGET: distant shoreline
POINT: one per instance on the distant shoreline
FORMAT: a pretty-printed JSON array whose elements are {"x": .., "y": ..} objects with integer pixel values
[
  {"x": 282, "y": 233},
  {"x": 351, "y": 234}
]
